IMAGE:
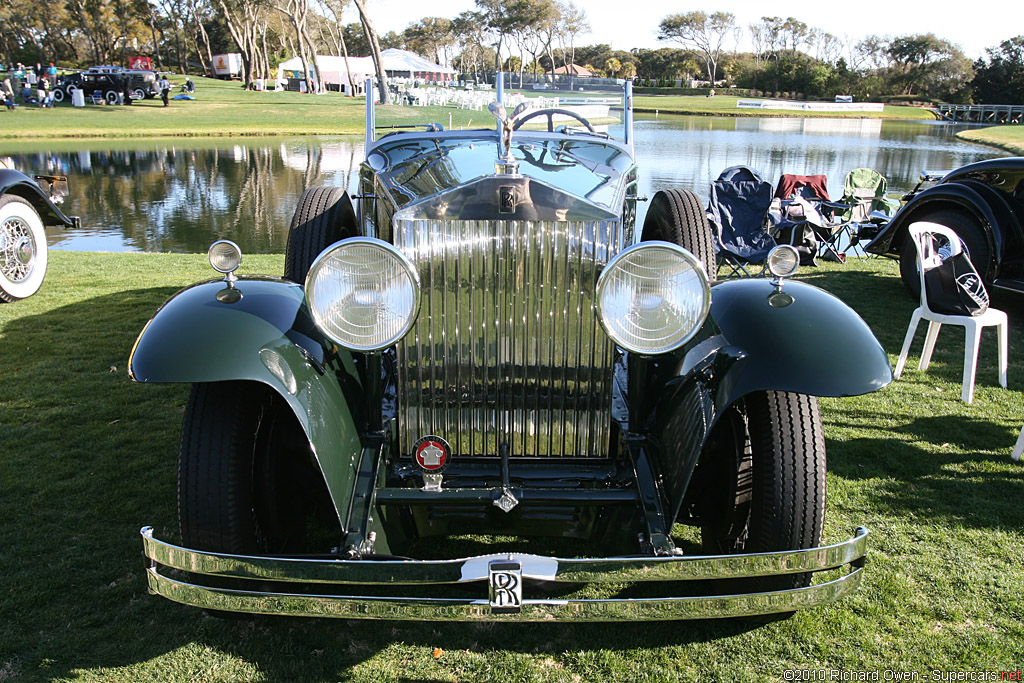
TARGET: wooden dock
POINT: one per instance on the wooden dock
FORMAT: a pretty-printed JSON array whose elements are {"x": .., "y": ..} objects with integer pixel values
[{"x": 982, "y": 113}]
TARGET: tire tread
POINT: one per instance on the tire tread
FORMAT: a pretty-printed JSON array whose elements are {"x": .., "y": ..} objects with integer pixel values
[{"x": 324, "y": 216}]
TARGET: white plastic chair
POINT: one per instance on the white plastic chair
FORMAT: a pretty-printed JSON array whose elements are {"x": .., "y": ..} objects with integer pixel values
[{"x": 928, "y": 258}]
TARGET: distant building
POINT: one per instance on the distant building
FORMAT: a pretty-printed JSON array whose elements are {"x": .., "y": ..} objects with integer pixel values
[{"x": 572, "y": 70}]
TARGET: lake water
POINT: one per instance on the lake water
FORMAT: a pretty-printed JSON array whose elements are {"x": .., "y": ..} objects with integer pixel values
[{"x": 181, "y": 195}]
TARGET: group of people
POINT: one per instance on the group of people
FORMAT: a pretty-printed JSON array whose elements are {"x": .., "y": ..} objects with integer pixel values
[{"x": 34, "y": 85}]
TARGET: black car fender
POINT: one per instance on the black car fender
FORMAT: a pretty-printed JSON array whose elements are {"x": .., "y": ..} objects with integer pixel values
[
  {"x": 794, "y": 338},
  {"x": 987, "y": 205},
  {"x": 17, "y": 183},
  {"x": 260, "y": 330}
]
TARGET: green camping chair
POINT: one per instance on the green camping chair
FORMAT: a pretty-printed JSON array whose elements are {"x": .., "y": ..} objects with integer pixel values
[{"x": 864, "y": 191}]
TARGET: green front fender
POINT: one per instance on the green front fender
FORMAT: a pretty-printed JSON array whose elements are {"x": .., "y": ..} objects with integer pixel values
[
  {"x": 798, "y": 338},
  {"x": 205, "y": 333}
]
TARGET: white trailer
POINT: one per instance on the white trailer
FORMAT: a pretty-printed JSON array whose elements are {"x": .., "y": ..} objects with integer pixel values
[{"x": 227, "y": 66}]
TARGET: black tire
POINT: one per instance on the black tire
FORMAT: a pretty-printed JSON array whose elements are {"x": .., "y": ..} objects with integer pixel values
[
  {"x": 111, "y": 96},
  {"x": 678, "y": 216},
  {"x": 23, "y": 250},
  {"x": 244, "y": 472},
  {"x": 761, "y": 481},
  {"x": 58, "y": 95},
  {"x": 971, "y": 233},
  {"x": 323, "y": 217},
  {"x": 139, "y": 94}
]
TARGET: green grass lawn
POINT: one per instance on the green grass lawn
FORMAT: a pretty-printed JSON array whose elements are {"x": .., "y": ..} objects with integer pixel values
[
  {"x": 87, "y": 457},
  {"x": 1010, "y": 138},
  {"x": 220, "y": 108},
  {"x": 223, "y": 108}
]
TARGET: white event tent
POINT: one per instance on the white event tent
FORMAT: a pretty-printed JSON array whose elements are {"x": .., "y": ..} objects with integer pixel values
[{"x": 397, "y": 64}]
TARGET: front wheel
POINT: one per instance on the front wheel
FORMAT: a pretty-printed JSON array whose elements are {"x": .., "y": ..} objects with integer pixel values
[
  {"x": 245, "y": 476},
  {"x": 112, "y": 96},
  {"x": 23, "y": 253},
  {"x": 58, "y": 95},
  {"x": 678, "y": 216},
  {"x": 138, "y": 94},
  {"x": 761, "y": 481}
]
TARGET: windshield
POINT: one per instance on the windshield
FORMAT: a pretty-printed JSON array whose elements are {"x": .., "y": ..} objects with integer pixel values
[{"x": 533, "y": 101}]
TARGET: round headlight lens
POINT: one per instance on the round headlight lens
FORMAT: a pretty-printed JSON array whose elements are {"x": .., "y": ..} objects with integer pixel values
[
  {"x": 363, "y": 293},
  {"x": 225, "y": 256},
  {"x": 653, "y": 297},
  {"x": 783, "y": 260}
]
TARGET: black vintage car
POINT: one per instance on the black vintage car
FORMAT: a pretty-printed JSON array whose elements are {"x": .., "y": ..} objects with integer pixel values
[
  {"x": 983, "y": 203},
  {"x": 108, "y": 83},
  {"x": 486, "y": 345},
  {"x": 26, "y": 206}
]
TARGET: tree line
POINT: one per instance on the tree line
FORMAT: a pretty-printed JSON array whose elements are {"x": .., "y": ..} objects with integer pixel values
[{"x": 787, "y": 55}]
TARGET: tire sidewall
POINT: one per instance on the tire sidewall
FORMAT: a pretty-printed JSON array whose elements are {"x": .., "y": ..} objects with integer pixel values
[
  {"x": 58, "y": 95},
  {"x": 15, "y": 208}
]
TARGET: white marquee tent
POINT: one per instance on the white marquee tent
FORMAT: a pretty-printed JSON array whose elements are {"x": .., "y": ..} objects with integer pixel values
[{"x": 397, "y": 64}]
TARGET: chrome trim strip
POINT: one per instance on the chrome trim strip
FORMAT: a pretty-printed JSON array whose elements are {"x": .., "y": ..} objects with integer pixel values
[
  {"x": 447, "y": 609},
  {"x": 588, "y": 570}
]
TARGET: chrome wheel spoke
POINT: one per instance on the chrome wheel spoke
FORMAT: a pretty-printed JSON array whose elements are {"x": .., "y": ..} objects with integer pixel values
[{"x": 17, "y": 250}]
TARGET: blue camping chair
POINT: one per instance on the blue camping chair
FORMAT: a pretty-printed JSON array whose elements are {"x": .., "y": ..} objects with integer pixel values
[{"x": 737, "y": 211}]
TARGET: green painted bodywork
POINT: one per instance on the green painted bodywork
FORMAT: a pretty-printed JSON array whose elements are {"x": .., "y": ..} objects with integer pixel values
[
  {"x": 798, "y": 338},
  {"x": 195, "y": 337}
]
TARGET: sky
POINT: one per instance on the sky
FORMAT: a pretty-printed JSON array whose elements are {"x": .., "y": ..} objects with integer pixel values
[{"x": 634, "y": 23}]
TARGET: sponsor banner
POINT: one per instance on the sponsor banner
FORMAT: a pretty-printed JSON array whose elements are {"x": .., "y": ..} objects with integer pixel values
[{"x": 809, "y": 106}]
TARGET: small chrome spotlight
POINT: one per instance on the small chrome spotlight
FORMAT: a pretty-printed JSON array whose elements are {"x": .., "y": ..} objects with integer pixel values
[
  {"x": 783, "y": 261},
  {"x": 225, "y": 257}
]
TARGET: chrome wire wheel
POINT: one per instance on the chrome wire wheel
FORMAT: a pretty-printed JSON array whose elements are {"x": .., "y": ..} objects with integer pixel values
[{"x": 23, "y": 253}]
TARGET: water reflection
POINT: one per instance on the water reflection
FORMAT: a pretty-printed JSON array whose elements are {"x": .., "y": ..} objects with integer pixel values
[{"x": 181, "y": 195}]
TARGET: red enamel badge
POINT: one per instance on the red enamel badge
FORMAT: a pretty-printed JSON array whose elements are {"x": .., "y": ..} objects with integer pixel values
[{"x": 432, "y": 454}]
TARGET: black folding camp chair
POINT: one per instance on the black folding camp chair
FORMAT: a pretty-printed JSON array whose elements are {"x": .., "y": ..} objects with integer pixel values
[{"x": 737, "y": 211}]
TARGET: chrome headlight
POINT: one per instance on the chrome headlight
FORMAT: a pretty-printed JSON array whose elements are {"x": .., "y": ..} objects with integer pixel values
[
  {"x": 653, "y": 297},
  {"x": 225, "y": 256},
  {"x": 363, "y": 293},
  {"x": 783, "y": 260}
]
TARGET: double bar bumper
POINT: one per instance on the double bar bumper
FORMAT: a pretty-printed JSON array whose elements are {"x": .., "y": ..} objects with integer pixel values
[{"x": 501, "y": 577}]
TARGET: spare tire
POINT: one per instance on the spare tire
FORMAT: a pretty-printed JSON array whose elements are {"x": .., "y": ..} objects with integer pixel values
[
  {"x": 324, "y": 216},
  {"x": 678, "y": 216}
]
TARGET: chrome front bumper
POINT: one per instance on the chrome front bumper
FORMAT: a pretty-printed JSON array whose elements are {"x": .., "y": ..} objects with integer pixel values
[{"x": 501, "y": 578}]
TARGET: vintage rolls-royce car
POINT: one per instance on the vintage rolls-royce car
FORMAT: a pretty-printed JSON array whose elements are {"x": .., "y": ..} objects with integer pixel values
[
  {"x": 26, "y": 207},
  {"x": 983, "y": 203},
  {"x": 486, "y": 348}
]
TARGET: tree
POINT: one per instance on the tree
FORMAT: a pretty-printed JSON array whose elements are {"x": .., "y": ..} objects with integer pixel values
[
  {"x": 1000, "y": 78},
  {"x": 922, "y": 61},
  {"x": 702, "y": 31},
  {"x": 573, "y": 22},
  {"x": 430, "y": 36},
  {"x": 378, "y": 60}
]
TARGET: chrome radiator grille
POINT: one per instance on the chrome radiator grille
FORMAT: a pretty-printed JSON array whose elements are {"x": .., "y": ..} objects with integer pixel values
[{"x": 507, "y": 348}]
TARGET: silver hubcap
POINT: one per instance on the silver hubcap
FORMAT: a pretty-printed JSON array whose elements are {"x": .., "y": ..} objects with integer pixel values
[{"x": 17, "y": 250}]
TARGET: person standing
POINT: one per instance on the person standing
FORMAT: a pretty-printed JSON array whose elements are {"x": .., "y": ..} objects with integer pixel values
[
  {"x": 165, "y": 88},
  {"x": 126, "y": 90}
]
